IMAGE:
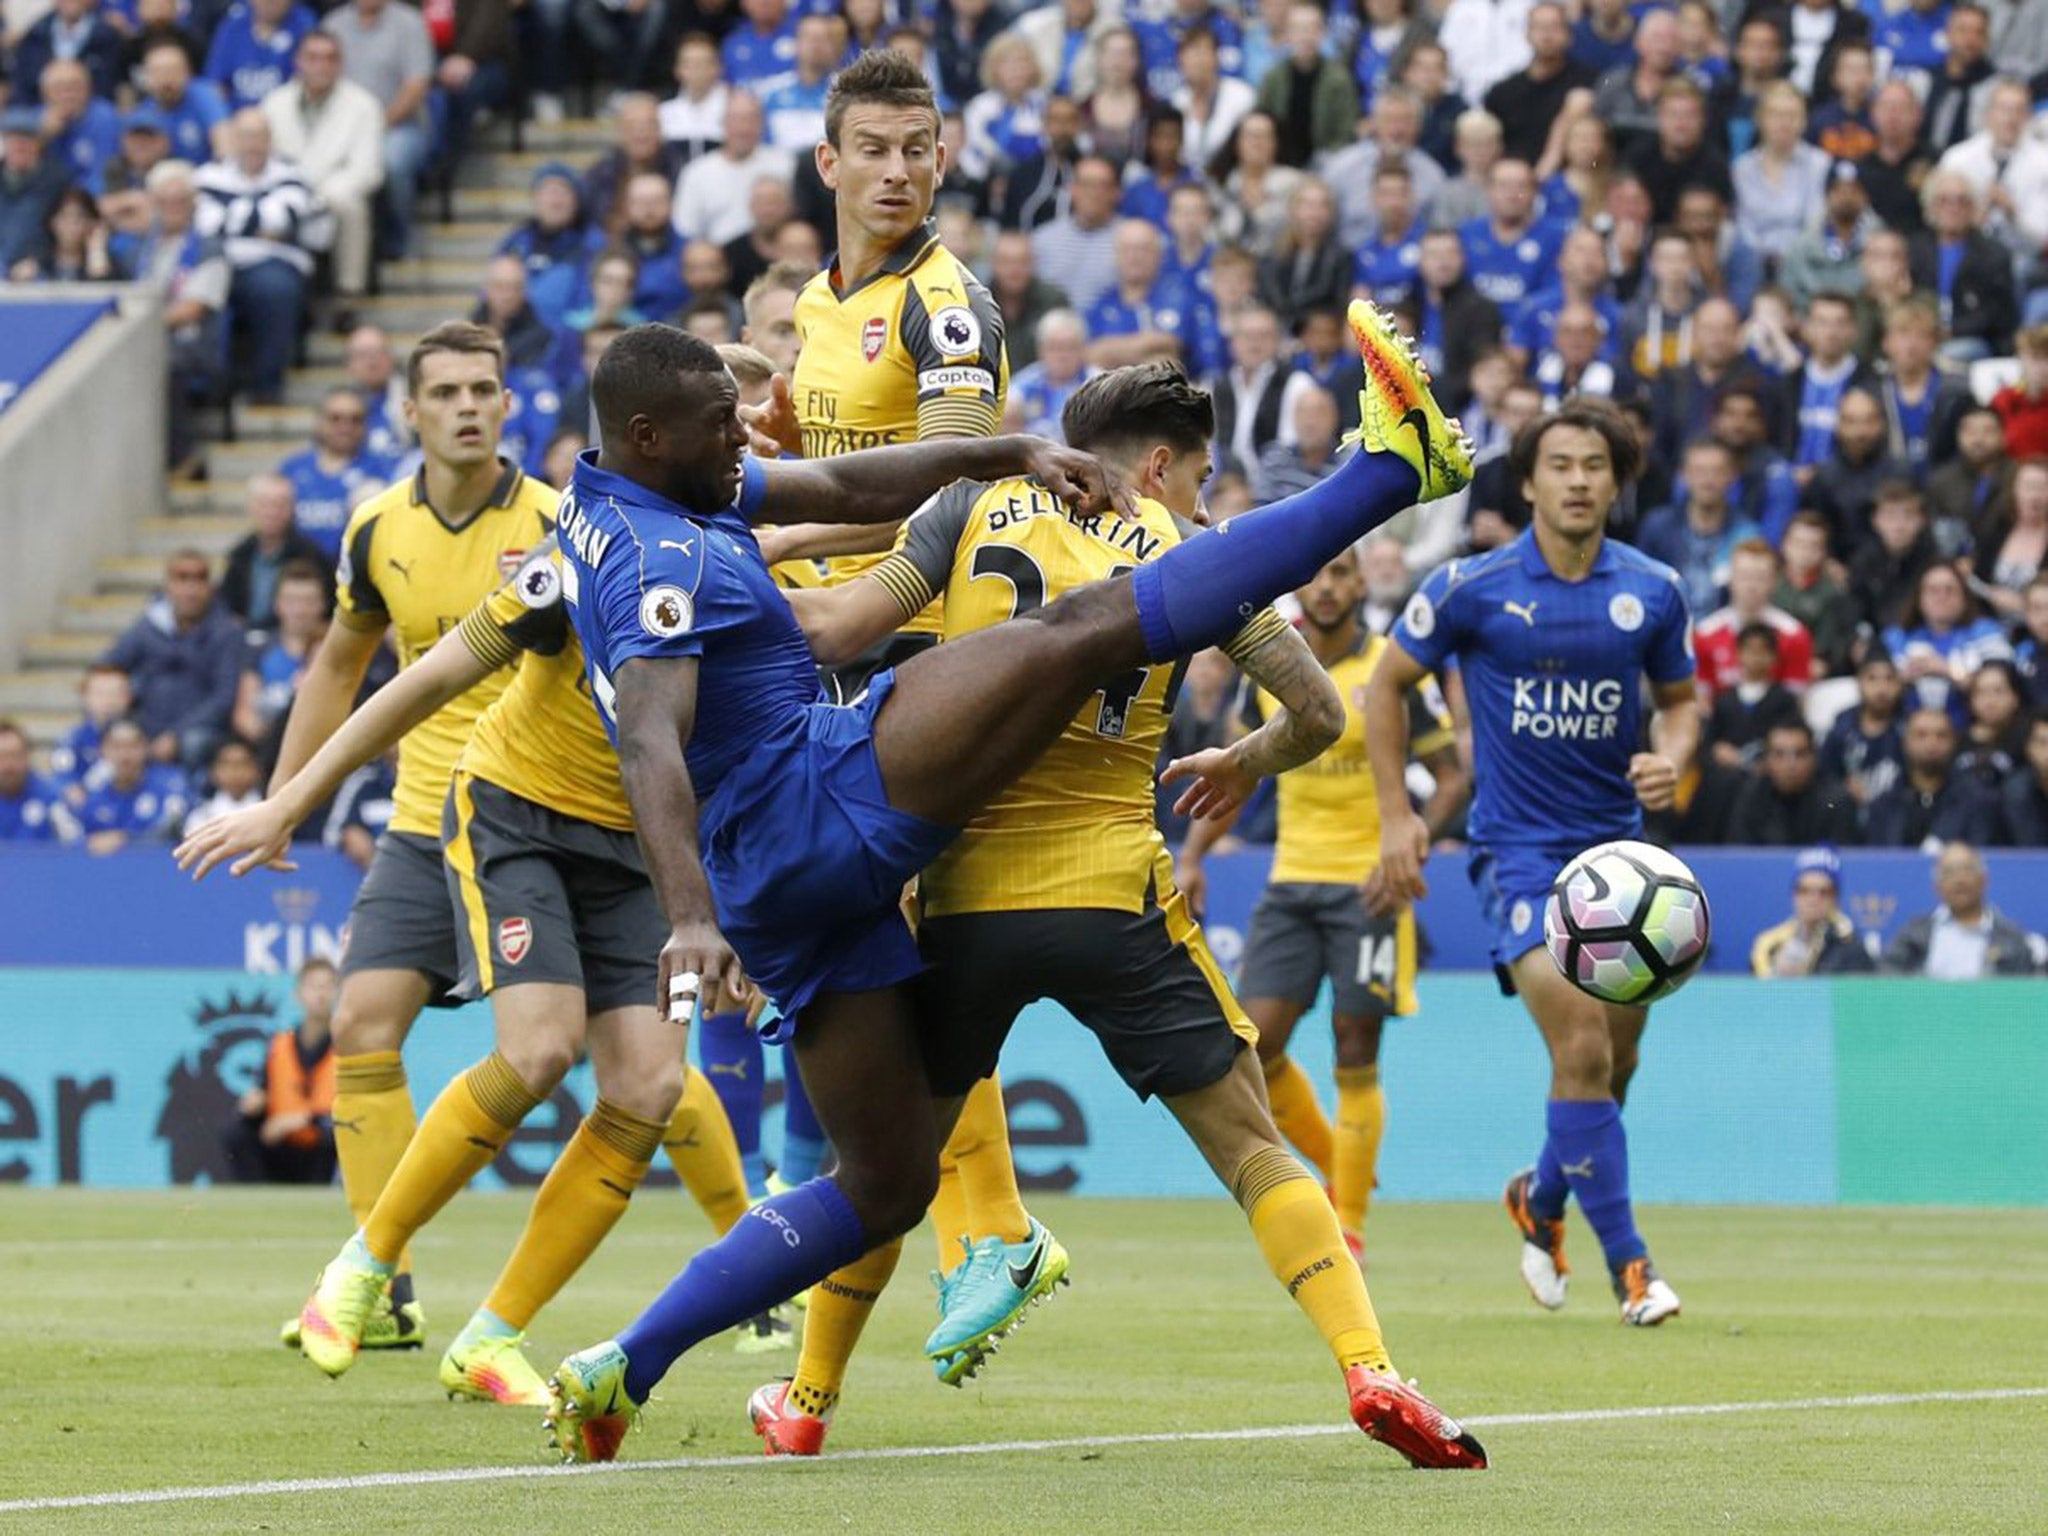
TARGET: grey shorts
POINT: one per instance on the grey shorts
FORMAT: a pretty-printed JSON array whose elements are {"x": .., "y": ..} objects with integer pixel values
[
  {"x": 401, "y": 920},
  {"x": 545, "y": 897},
  {"x": 1302, "y": 933}
]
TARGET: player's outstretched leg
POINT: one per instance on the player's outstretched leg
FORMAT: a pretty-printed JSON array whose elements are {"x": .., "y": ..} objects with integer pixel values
[
  {"x": 965, "y": 718},
  {"x": 1296, "y": 1230},
  {"x": 1201, "y": 593},
  {"x": 1585, "y": 1132},
  {"x": 860, "y": 1057}
]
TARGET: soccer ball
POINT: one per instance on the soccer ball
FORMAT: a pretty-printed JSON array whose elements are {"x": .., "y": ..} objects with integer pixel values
[{"x": 1627, "y": 922}]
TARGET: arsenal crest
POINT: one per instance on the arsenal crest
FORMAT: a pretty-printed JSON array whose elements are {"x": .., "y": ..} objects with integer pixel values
[
  {"x": 872, "y": 335},
  {"x": 509, "y": 561},
  {"x": 515, "y": 938}
]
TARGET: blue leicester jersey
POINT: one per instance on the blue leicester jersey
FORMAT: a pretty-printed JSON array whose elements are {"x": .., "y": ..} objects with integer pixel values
[
  {"x": 248, "y": 68},
  {"x": 324, "y": 501},
  {"x": 646, "y": 577},
  {"x": 1509, "y": 271},
  {"x": 1553, "y": 675}
]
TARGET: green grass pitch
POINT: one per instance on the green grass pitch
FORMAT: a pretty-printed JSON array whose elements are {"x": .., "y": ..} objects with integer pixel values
[{"x": 139, "y": 1353}]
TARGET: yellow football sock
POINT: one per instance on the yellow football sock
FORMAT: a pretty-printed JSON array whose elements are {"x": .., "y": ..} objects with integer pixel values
[
  {"x": 1361, "y": 1122},
  {"x": 700, "y": 1143},
  {"x": 840, "y": 1304},
  {"x": 980, "y": 1144},
  {"x": 373, "y": 1121},
  {"x": 467, "y": 1126},
  {"x": 581, "y": 1200},
  {"x": 949, "y": 1213},
  {"x": 1297, "y": 1232},
  {"x": 1297, "y": 1113}
]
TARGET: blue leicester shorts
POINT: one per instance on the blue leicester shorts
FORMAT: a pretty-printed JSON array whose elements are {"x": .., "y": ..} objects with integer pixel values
[
  {"x": 1513, "y": 882},
  {"x": 808, "y": 860}
]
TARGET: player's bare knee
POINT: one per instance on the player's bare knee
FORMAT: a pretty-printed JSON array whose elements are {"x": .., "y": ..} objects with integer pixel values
[
  {"x": 1582, "y": 1062},
  {"x": 1358, "y": 1040},
  {"x": 891, "y": 1201},
  {"x": 541, "y": 1062},
  {"x": 362, "y": 1031},
  {"x": 652, "y": 1092}
]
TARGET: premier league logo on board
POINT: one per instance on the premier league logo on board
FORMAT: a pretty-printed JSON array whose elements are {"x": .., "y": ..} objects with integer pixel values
[{"x": 204, "y": 1091}]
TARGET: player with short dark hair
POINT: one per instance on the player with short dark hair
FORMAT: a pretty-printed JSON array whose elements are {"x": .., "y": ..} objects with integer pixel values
[
  {"x": 414, "y": 559},
  {"x": 898, "y": 341},
  {"x": 1552, "y": 635},
  {"x": 780, "y": 829}
]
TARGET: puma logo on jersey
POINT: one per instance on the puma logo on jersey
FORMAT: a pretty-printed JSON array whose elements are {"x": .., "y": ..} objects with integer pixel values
[
  {"x": 1526, "y": 612},
  {"x": 403, "y": 567},
  {"x": 1582, "y": 1170},
  {"x": 684, "y": 548}
]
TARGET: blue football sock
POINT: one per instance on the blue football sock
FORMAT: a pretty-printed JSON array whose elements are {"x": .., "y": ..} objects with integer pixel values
[
  {"x": 803, "y": 1139},
  {"x": 1548, "y": 1190},
  {"x": 1201, "y": 593},
  {"x": 731, "y": 1058},
  {"x": 782, "y": 1246},
  {"x": 1592, "y": 1149}
]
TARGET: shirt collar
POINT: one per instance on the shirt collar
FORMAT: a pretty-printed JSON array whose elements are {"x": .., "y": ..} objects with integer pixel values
[
  {"x": 908, "y": 252},
  {"x": 508, "y": 480},
  {"x": 1943, "y": 918},
  {"x": 595, "y": 482},
  {"x": 1535, "y": 565}
]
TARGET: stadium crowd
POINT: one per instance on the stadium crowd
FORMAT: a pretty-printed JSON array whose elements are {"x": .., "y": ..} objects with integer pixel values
[{"x": 1804, "y": 245}]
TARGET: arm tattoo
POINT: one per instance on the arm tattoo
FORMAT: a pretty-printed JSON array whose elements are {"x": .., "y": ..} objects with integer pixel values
[{"x": 1311, "y": 717}]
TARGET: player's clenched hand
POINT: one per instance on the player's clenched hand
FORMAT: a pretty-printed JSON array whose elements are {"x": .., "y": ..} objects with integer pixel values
[
  {"x": 699, "y": 967},
  {"x": 255, "y": 838},
  {"x": 772, "y": 428},
  {"x": 1404, "y": 848},
  {"x": 1655, "y": 779},
  {"x": 1080, "y": 479},
  {"x": 1221, "y": 784}
]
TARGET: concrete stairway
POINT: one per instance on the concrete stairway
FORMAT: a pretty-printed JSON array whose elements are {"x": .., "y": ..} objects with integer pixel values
[{"x": 439, "y": 283}]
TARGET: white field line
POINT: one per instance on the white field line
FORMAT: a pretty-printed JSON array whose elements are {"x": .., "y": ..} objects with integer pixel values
[{"x": 419, "y": 1479}]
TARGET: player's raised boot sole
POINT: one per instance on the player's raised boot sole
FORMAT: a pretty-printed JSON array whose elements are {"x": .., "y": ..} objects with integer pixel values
[
  {"x": 1397, "y": 410},
  {"x": 589, "y": 1408},
  {"x": 783, "y": 1432},
  {"x": 1394, "y": 1413},
  {"x": 492, "y": 1371},
  {"x": 1544, "y": 1270},
  {"x": 1646, "y": 1299}
]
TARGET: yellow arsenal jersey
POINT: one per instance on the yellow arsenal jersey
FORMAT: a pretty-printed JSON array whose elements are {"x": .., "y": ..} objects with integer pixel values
[
  {"x": 914, "y": 351},
  {"x": 1077, "y": 829},
  {"x": 541, "y": 738},
  {"x": 1329, "y": 810},
  {"x": 403, "y": 566}
]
